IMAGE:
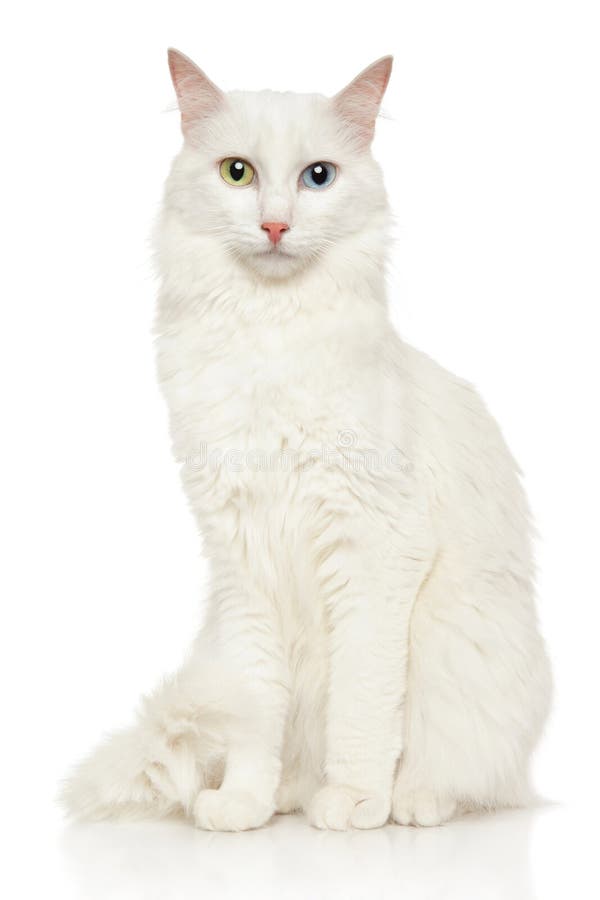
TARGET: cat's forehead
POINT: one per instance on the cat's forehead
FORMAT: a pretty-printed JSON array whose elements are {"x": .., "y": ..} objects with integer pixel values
[
  {"x": 272, "y": 106},
  {"x": 282, "y": 124}
]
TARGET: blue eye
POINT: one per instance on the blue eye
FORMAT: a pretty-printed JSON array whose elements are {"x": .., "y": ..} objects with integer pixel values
[{"x": 319, "y": 175}]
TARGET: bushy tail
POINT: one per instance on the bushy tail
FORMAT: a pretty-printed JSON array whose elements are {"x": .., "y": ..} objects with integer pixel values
[{"x": 156, "y": 767}]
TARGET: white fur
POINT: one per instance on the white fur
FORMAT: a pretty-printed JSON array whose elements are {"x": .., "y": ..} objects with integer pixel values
[{"x": 371, "y": 646}]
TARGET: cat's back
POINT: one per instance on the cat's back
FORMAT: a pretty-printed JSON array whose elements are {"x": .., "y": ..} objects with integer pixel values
[{"x": 479, "y": 500}]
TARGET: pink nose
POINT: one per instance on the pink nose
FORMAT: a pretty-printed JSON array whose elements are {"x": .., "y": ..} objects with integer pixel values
[{"x": 275, "y": 230}]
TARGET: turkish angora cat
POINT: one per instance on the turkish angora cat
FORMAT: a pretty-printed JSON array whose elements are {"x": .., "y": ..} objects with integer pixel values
[{"x": 371, "y": 646}]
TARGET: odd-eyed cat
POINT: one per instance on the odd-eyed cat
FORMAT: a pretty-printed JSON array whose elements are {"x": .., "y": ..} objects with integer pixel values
[{"x": 371, "y": 647}]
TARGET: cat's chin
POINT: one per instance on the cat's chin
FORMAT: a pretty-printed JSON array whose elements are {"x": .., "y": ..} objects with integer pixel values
[{"x": 275, "y": 265}]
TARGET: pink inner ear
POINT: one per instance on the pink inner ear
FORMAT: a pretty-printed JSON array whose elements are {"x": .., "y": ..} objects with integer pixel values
[
  {"x": 359, "y": 102},
  {"x": 197, "y": 96}
]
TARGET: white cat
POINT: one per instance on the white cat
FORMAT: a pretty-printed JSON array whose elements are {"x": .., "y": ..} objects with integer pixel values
[{"x": 371, "y": 646}]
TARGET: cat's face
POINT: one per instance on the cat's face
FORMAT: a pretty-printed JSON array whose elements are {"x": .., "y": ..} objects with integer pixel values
[{"x": 277, "y": 179}]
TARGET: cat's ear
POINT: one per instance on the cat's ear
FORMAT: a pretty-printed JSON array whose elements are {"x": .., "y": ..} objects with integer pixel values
[
  {"x": 197, "y": 96},
  {"x": 358, "y": 103}
]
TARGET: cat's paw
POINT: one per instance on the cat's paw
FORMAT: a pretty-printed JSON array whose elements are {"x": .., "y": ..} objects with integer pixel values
[
  {"x": 339, "y": 807},
  {"x": 421, "y": 807},
  {"x": 224, "y": 810}
]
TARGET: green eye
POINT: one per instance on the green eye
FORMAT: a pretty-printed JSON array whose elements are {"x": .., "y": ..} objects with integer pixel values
[{"x": 236, "y": 171}]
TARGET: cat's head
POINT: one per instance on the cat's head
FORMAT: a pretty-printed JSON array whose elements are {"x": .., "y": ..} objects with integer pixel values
[{"x": 277, "y": 180}]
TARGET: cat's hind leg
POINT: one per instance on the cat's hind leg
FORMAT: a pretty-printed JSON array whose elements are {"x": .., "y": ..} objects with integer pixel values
[{"x": 478, "y": 688}]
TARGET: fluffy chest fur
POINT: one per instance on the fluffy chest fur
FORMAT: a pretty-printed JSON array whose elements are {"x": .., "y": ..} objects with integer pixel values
[
  {"x": 280, "y": 422},
  {"x": 244, "y": 388}
]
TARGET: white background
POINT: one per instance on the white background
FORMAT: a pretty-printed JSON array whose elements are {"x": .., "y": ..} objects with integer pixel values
[{"x": 491, "y": 149}]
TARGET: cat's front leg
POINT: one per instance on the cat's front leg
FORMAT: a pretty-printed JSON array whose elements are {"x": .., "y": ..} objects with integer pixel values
[
  {"x": 243, "y": 634},
  {"x": 369, "y": 609},
  {"x": 246, "y": 798}
]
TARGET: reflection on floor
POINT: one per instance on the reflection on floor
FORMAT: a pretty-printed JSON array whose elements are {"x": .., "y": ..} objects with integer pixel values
[{"x": 480, "y": 857}]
